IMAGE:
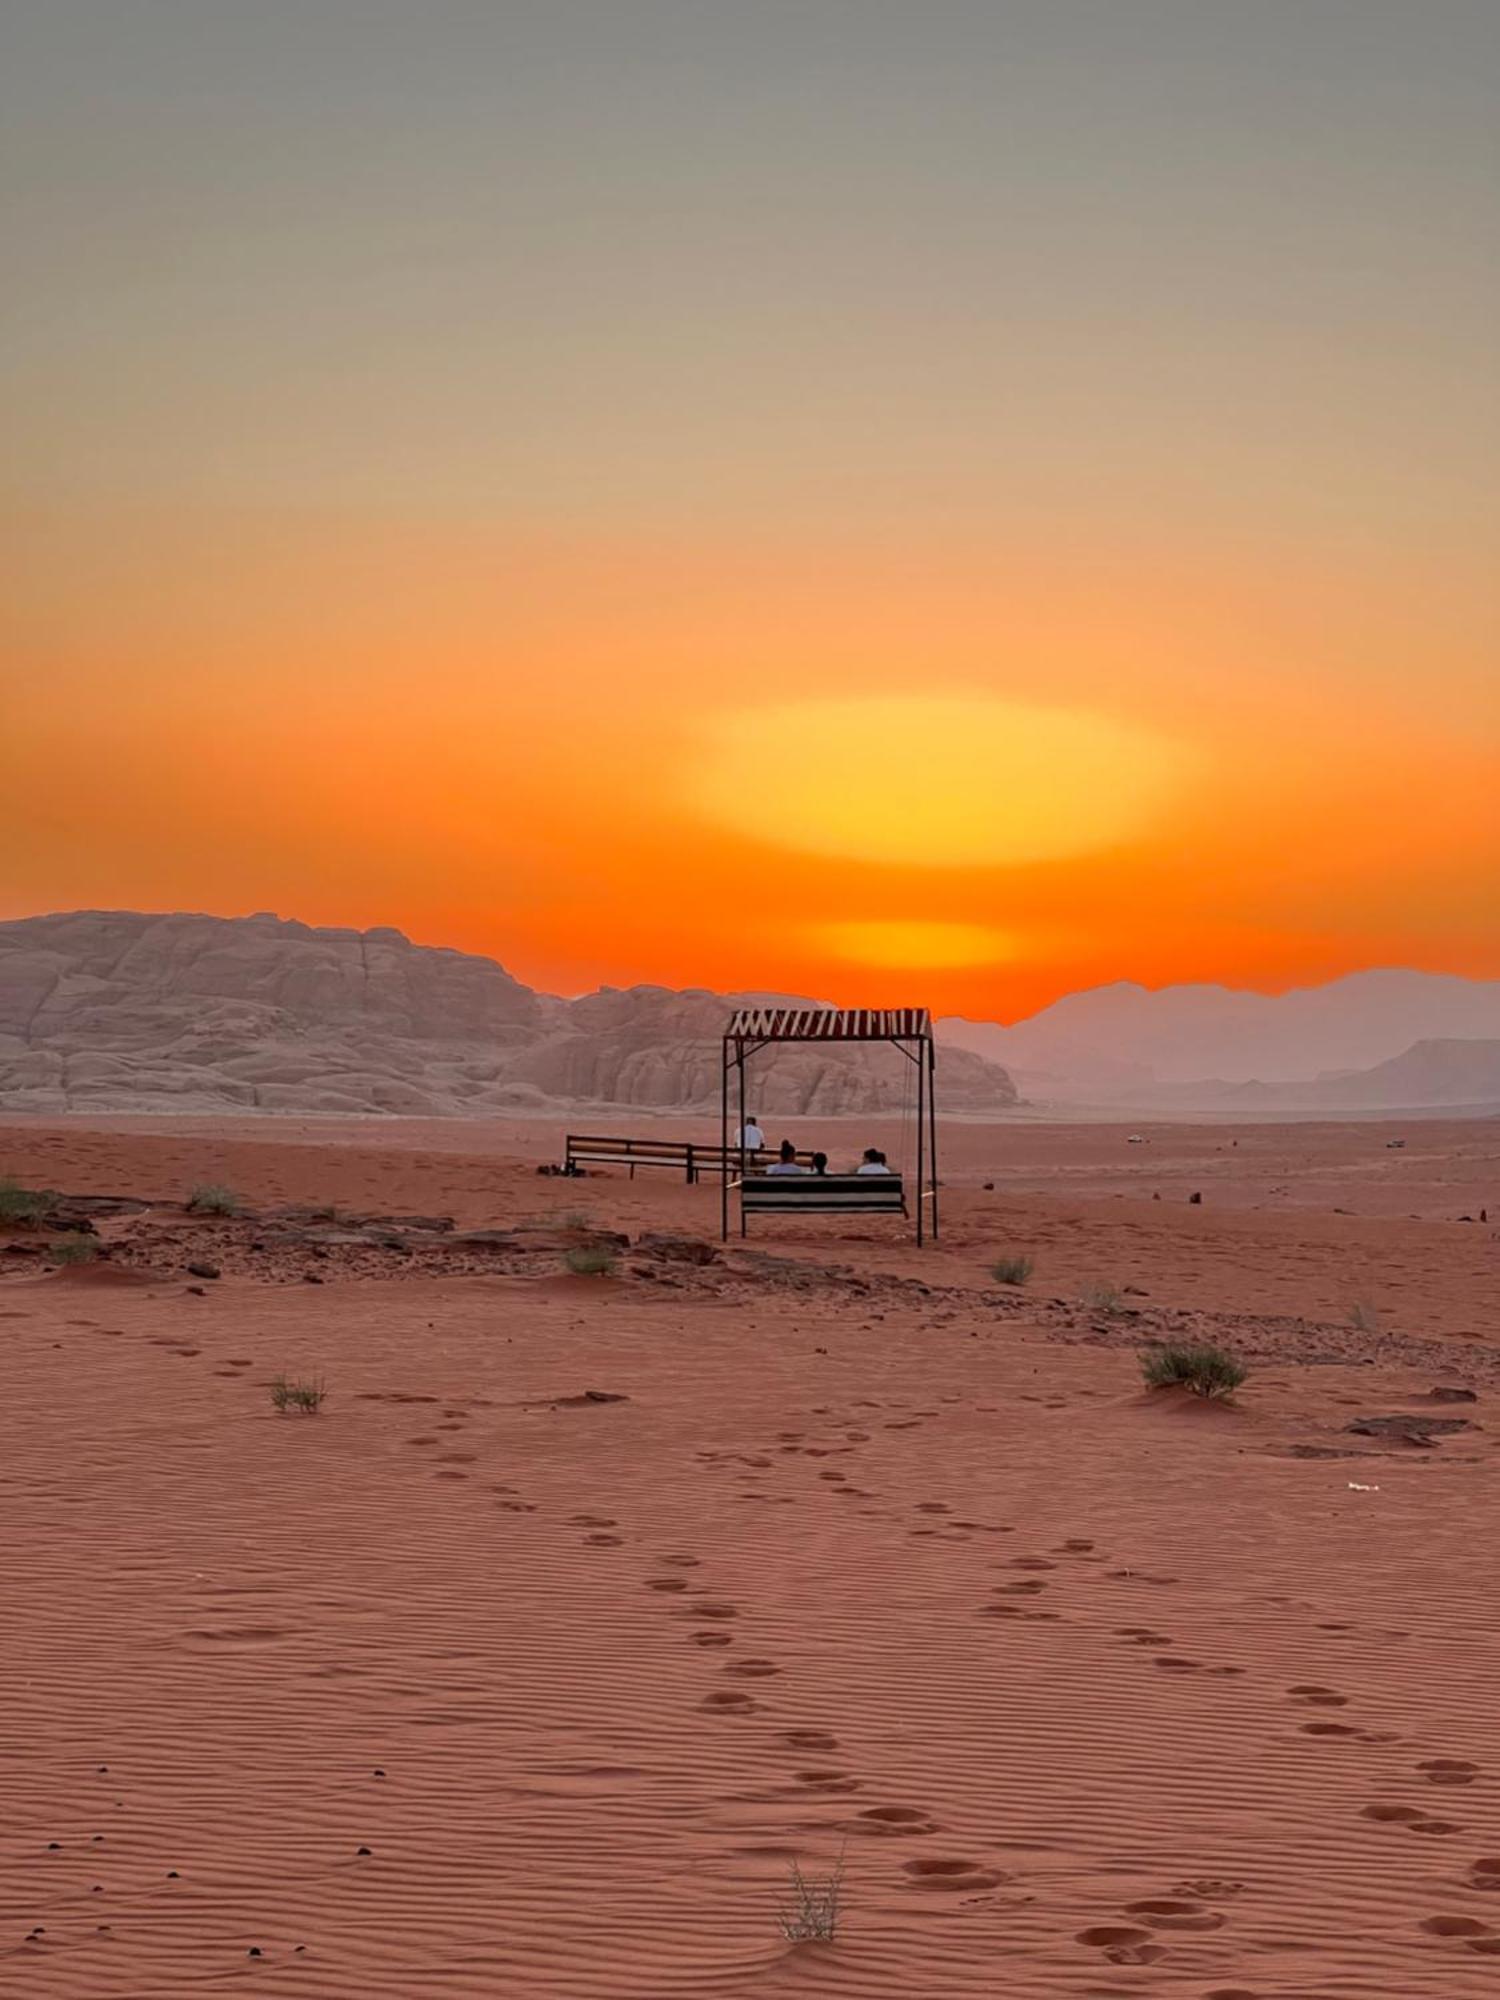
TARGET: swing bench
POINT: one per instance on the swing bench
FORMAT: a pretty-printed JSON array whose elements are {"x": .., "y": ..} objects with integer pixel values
[
  {"x": 823, "y": 1194},
  {"x": 908, "y": 1029}
]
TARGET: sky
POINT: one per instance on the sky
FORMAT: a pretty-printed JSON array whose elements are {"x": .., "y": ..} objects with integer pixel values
[{"x": 948, "y": 503}]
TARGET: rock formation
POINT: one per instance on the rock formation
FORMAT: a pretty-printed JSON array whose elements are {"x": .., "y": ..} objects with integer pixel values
[{"x": 117, "y": 1011}]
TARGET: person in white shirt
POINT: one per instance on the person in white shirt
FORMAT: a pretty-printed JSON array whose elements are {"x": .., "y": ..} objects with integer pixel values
[
  {"x": 873, "y": 1162},
  {"x": 750, "y": 1135},
  {"x": 787, "y": 1163}
]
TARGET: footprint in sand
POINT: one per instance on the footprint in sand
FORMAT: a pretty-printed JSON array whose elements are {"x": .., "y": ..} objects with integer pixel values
[
  {"x": 664, "y": 1583},
  {"x": 1411, "y": 1817},
  {"x": 1142, "y": 1635},
  {"x": 1173, "y": 1913},
  {"x": 756, "y": 1670},
  {"x": 815, "y": 1739},
  {"x": 592, "y": 1521},
  {"x": 1113, "y": 1939},
  {"x": 1448, "y": 1771},
  {"x": 595, "y": 1541},
  {"x": 1208, "y": 1887},
  {"x": 710, "y": 1639},
  {"x": 892, "y": 1820},
  {"x": 1454, "y": 1927},
  {"x": 680, "y": 1562},
  {"x": 1318, "y": 1697},
  {"x": 950, "y": 1875},
  {"x": 703, "y": 1610},
  {"x": 1485, "y": 1873},
  {"x": 1173, "y": 1663},
  {"x": 728, "y": 1704},
  {"x": 829, "y": 1781}
]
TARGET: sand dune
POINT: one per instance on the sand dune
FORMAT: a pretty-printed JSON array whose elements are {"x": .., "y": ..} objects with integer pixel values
[{"x": 1097, "y": 1696}]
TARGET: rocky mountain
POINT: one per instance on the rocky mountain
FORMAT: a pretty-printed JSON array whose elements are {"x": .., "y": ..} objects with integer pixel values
[
  {"x": 1124, "y": 1042},
  {"x": 118, "y": 1011},
  {"x": 1429, "y": 1076}
]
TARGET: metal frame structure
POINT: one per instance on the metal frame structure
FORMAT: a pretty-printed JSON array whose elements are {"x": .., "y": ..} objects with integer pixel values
[{"x": 908, "y": 1029}]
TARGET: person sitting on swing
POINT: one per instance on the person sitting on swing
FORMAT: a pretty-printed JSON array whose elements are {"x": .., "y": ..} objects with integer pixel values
[
  {"x": 873, "y": 1162},
  {"x": 787, "y": 1162},
  {"x": 820, "y": 1163}
]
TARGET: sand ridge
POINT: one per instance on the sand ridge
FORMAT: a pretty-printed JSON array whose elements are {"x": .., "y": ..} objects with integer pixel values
[{"x": 1098, "y": 1696}]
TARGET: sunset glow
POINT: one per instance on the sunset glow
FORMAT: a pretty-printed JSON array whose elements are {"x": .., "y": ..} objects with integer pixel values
[{"x": 874, "y": 503}]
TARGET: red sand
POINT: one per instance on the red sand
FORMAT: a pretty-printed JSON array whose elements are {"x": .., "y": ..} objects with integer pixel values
[{"x": 1100, "y": 1696}]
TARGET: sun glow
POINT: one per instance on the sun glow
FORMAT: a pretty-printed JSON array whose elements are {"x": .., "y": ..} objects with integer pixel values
[
  {"x": 901, "y": 946},
  {"x": 954, "y": 781}
]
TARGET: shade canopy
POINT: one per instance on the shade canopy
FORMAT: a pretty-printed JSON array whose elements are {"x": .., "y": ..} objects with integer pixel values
[{"x": 829, "y": 1024}]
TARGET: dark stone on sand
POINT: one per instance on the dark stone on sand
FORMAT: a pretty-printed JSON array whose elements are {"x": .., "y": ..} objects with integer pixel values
[
  {"x": 203, "y": 1270},
  {"x": 361, "y": 1850},
  {"x": 604, "y": 1396},
  {"x": 1196, "y": 1199},
  {"x": 1444, "y": 1394},
  {"x": 311, "y": 1278},
  {"x": 197, "y": 1291},
  {"x": 1410, "y": 1429},
  {"x": 677, "y": 1249}
]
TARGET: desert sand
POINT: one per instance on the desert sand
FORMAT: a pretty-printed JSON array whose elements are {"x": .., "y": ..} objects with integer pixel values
[{"x": 586, "y": 1606}]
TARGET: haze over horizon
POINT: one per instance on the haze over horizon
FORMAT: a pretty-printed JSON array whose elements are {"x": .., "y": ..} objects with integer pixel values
[{"x": 990, "y": 500}]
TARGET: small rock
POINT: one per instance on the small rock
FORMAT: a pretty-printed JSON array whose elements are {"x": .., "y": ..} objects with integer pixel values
[
  {"x": 1196, "y": 1199},
  {"x": 1444, "y": 1394},
  {"x": 311, "y": 1278},
  {"x": 203, "y": 1271},
  {"x": 197, "y": 1291},
  {"x": 1413, "y": 1430}
]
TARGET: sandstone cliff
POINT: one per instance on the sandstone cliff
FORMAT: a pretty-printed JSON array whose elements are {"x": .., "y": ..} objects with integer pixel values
[{"x": 118, "y": 1011}]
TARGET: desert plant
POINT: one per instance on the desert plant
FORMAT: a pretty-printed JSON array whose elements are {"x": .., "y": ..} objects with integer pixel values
[
  {"x": 813, "y": 1905},
  {"x": 1102, "y": 1298},
  {"x": 1206, "y": 1371},
  {"x": 590, "y": 1260},
  {"x": 1011, "y": 1270},
  {"x": 73, "y": 1250},
  {"x": 306, "y": 1397},
  {"x": 1364, "y": 1318},
  {"x": 212, "y": 1199},
  {"x": 576, "y": 1218},
  {"x": 18, "y": 1204}
]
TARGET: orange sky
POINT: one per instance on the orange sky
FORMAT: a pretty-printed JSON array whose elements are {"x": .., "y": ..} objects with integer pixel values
[
  {"x": 528, "y": 748},
  {"x": 950, "y": 504}
]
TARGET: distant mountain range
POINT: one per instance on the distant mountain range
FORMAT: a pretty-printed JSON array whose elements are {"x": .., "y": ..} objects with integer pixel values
[
  {"x": 120, "y": 1011},
  {"x": 1416, "y": 1038},
  {"x": 117, "y": 1011}
]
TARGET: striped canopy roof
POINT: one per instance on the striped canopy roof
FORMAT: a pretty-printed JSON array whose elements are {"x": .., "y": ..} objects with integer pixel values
[{"x": 828, "y": 1024}]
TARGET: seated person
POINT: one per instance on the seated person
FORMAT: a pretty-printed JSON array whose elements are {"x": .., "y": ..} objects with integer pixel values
[
  {"x": 787, "y": 1162},
  {"x": 873, "y": 1162},
  {"x": 750, "y": 1135},
  {"x": 820, "y": 1163}
]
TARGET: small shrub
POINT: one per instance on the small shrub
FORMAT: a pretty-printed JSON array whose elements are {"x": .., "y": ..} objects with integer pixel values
[
  {"x": 1206, "y": 1371},
  {"x": 1364, "y": 1318},
  {"x": 576, "y": 1219},
  {"x": 212, "y": 1199},
  {"x": 813, "y": 1905},
  {"x": 18, "y": 1204},
  {"x": 1011, "y": 1270},
  {"x": 590, "y": 1260},
  {"x": 73, "y": 1250},
  {"x": 1102, "y": 1298},
  {"x": 305, "y": 1397}
]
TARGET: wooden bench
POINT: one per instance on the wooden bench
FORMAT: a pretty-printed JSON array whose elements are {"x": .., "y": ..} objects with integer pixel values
[
  {"x": 684, "y": 1156},
  {"x": 821, "y": 1194}
]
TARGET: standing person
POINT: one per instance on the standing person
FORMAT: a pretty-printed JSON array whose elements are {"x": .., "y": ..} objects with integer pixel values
[
  {"x": 787, "y": 1162},
  {"x": 750, "y": 1135},
  {"x": 873, "y": 1162}
]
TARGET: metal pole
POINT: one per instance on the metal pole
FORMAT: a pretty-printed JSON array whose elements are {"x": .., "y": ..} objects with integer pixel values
[
  {"x": 921, "y": 1126},
  {"x": 724, "y": 1140},
  {"x": 932, "y": 1116},
  {"x": 740, "y": 1052}
]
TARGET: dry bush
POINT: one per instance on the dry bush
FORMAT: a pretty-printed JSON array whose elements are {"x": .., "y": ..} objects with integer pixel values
[
  {"x": 73, "y": 1250},
  {"x": 18, "y": 1204},
  {"x": 590, "y": 1260},
  {"x": 1011, "y": 1270},
  {"x": 1205, "y": 1371},
  {"x": 212, "y": 1199},
  {"x": 1364, "y": 1318},
  {"x": 1102, "y": 1298},
  {"x": 307, "y": 1398},
  {"x": 813, "y": 1905}
]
